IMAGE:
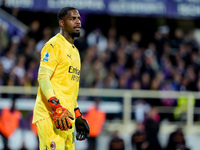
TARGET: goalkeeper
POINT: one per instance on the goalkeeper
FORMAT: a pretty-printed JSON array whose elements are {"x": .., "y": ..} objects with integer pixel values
[{"x": 56, "y": 112}]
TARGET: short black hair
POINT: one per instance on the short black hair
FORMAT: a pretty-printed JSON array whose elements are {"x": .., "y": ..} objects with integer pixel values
[{"x": 63, "y": 12}]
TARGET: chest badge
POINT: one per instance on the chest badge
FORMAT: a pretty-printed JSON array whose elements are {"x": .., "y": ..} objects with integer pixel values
[
  {"x": 46, "y": 57},
  {"x": 53, "y": 145}
]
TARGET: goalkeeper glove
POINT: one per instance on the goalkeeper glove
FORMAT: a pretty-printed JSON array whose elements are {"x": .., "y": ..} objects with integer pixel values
[
  {"x": 82, "y": 126},
  {"x": 62, "y": 117}
]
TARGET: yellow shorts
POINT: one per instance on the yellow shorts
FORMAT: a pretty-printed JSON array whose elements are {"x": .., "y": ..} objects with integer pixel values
[{"x": 51, "y": 138}]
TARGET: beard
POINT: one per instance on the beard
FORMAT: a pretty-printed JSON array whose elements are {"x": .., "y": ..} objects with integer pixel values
[{"x": 75, "y": 34}]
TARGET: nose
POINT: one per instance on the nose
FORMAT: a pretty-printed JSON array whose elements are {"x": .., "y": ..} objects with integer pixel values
[{"x": 78, "y": 21}]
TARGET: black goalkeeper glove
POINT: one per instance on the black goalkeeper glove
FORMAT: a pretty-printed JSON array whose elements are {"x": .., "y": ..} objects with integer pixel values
[{"x": 82, "y": 126}]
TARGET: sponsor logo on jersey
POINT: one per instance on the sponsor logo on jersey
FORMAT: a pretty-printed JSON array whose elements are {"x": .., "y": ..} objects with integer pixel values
[
  {"x": 46, "y": 57},
  {"x": 75, "y": 73},
  {"x": 53, "y": 145},
  {"x": 74, "y": 70}
]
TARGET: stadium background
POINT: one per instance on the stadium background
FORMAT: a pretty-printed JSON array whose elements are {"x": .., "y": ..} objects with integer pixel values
[{"x": 147, "y": 22}]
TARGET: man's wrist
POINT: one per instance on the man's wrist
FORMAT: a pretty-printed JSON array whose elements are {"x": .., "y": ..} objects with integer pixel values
[
  {"x": 53, "y": 101},
  {"x": 77, "y": 112}
]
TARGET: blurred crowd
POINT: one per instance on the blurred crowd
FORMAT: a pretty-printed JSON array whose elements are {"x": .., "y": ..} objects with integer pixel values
[{"x": 167, "y": 61}]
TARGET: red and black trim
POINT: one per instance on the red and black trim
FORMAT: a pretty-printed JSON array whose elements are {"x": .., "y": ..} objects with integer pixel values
[{"x": 77, "y": 112}]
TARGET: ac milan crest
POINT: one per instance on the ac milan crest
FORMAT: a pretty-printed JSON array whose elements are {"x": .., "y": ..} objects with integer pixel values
[{"x": 53, "y": 145}]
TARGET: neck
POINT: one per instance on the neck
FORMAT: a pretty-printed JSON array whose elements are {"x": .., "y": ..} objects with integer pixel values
[{"x": 68, "y": 37}]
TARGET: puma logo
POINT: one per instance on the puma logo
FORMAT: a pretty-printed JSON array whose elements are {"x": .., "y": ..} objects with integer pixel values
[
  {"x": 52, "y": 45},
  {"x": 69, "y": 56}
]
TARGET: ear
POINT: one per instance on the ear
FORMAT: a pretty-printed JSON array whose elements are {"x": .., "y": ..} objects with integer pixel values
[{"x": 61, "y": 23}]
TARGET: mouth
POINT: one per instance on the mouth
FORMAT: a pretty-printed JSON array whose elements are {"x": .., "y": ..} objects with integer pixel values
[{"x": 77, "y": 27}]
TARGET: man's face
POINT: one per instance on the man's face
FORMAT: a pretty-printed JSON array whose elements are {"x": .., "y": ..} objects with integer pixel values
[{"x": 72, "y": 23}]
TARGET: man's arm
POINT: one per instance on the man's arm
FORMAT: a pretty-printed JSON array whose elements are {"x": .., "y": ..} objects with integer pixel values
[
  {"x": 62, "y": 117},
  {"x": 45, "y": 83}
]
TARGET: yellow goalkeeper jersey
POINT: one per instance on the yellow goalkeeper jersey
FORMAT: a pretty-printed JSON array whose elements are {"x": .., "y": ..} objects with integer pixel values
[{"x": 61, "y": 57}]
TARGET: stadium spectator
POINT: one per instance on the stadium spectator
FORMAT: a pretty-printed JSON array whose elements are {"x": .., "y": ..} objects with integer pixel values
[
  {"x": 177, "y": 141},
  {"x": 87, "y": 68},
  {"x": 4, "y": 39},
  {"x": 181, "y": 108},
  {"x": 9, "y": 121},
  {"x": 81, "y": 43},
  {"x": 152, "y": 125},
  {"x": 116, "y": 142},
  {"x": 178, "y": 38},
  {"x": 141, "y": 109},
  {"x": 111, "y": 39},
  {"x": 139, "y": 138},
  {"x": 96, "y": 38},
  {"x": 96, "y": 119},
  {"x": 26, "y": 125},
  {"x": 32, "y": 73},
  {"x": 35, "y": 31},
  {"x": 19, "y": 69},
  {"x": 8, "y": 61},
  {"x": 3, "y": 75},
  {"x": 46, "y": 35},
  {"x": 30, "y": 52}
]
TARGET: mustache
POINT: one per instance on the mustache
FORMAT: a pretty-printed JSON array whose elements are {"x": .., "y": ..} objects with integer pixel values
[{"x": 77, "y": 27}]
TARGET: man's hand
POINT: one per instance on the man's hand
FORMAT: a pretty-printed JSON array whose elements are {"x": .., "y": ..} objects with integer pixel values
[
  {"x": 82, "y": 126},
  {"x": 62, "y": 117}
]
